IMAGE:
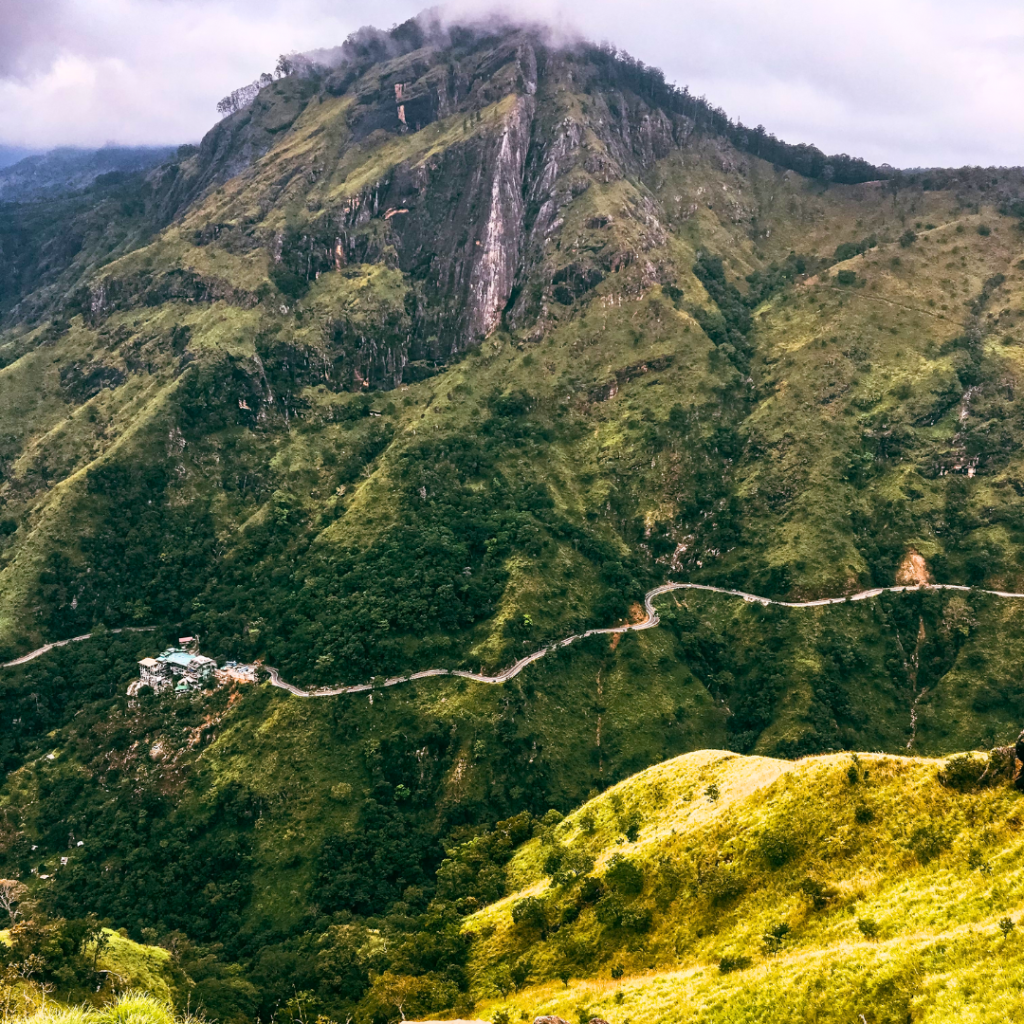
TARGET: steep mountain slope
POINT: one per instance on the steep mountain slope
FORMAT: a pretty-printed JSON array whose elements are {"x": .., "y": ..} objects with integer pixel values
[
  {"x": 430, "y": 359},
  {"x": 754, "y": 436},
  {"x": 723, "y": 888}
]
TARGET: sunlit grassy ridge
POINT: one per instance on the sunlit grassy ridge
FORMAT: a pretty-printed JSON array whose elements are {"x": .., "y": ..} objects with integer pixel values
[
  {"x": 132, "y": 1007},
  {"x": 144, "y": 975},
  {"x": 754, "y": 889}
]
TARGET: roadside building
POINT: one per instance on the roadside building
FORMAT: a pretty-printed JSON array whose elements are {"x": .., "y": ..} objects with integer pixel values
[
  {"x": 233, "y": 671},
  {"x": 176, "y": 667},
  {"x": 154, "y": 674},
  {"x": 191, "y": 668}
]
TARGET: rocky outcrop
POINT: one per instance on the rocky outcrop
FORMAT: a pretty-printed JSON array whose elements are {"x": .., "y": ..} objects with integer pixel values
[
  {"x": 495, "y": 268},
  {"x": 232, "y": 145},
  {"x": 474, "y": 224},
  {"x": 110, "y": 294}
]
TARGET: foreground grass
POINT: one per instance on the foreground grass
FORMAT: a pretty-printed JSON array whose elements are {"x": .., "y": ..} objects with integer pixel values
[{"x": 132, "y": 1007}]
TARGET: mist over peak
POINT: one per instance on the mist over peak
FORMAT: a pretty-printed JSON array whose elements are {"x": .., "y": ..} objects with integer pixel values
[{"x": 439, "y": 28}]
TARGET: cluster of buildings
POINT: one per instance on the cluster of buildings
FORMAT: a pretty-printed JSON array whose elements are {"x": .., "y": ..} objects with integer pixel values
[{"x": 183, "y": 668}]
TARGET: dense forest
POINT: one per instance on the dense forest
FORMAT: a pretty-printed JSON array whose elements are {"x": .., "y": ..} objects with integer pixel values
[{"x": 440, "y": 348}]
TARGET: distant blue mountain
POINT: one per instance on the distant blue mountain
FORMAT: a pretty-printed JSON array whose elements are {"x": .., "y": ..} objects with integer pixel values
[
  {"x": 12, "y": 154},
  {"x": 42, "y": 175}
]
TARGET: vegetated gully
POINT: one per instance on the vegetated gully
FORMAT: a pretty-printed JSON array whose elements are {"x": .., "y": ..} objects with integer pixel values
[{"x": 650, "y": 620}]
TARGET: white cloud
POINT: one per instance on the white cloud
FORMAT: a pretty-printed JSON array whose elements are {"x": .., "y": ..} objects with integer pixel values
[{"x": 911, "y": 82}]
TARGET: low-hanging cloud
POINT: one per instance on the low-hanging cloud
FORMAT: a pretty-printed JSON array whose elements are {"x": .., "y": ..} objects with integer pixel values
[{"x": 909, "y": 82}]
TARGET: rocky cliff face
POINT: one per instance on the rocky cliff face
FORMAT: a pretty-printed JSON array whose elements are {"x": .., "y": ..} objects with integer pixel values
[
  {"x": 474, "y": 225},
  {"x": 450, "y": 157},
  {"x": 497, "y": 262}
]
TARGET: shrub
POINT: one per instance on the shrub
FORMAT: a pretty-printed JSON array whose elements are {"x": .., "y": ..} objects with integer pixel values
[
  {"x": 637, "y": 919},
  {"x": 963, "y": 773},
  {"x": 777, "y": 847},
  {"x": 502, "y": 979},
  {"x": 820, "y": 895},
  {"x": 712, "y": 792},
  {"x": 674, "y": 293},
  {"x": 553, "y": 861},
  {"x": 847, "y": 277},
  {"x": 521, "y": 971},
  {"x": 609, "y": 910},
  {"x": 632, "y": 827},
  {"x": 623, "y": 875},
  {"x": 772, "y": 939},
  {"x": 728, "y": 964},
  {"x": 723, "y": 884},
  {"x": 573, "y": 865},
  {"x": 984, "y": 230},
  {"x": 863, "y": 814},
  {"x": 908, "y": 238},
  {"x": 868, "y": 927},
  {"x": 617, "y": 971},
  {"x": 590, "y": 891},
  {"x": 1006, "y": 926},
  {"x": 530, "y": 913},
  {"x": 928, "y": 840},
  {"x": 342, "y": 792},
  {"x": 958, "y": 620}
]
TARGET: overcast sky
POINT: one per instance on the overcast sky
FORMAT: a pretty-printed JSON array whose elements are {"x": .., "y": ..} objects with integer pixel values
[{"x": 908, "y": 82}]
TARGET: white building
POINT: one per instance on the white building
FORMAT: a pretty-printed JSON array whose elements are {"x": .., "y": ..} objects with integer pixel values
[{"x": 173, "y": 666}]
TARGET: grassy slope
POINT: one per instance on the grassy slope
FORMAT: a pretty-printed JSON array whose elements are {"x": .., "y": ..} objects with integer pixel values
[
  {"x": 139, "y": 1006},
  {"x": 131, "y": 965},
  {"x": 934, "y": 869}
]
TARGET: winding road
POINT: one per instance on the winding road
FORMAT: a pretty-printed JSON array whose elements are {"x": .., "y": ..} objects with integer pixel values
[
  {"x": 650, "y": 620},
  {"x": 32, "y": 655}
]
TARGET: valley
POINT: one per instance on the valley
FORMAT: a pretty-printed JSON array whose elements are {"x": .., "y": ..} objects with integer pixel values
[{"x": 432, "y": 380}]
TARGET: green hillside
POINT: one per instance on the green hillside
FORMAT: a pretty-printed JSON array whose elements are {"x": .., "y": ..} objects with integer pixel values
[
  {"x": 434, "y": 358},
  {"x": 723, "y": 888},
  {"x": 50, "y": 964},
  {"x": 134, "y": 1006}
]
